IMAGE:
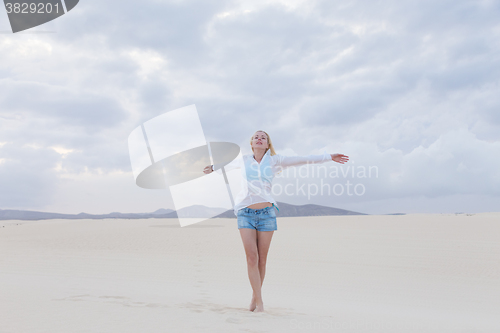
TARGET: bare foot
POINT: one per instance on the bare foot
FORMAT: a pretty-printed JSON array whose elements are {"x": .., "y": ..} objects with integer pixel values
[
  {"x": 259, "y": 307},
  {"x": 253, "y": 304}
]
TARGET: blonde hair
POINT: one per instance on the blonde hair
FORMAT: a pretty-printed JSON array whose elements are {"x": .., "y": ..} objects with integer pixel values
[{"x": 271, "y": 147}]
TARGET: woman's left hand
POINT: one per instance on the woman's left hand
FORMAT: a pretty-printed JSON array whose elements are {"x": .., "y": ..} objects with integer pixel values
[{"x": 339, "y": 158}]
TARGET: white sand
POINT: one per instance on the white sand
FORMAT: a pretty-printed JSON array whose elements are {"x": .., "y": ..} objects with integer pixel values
[{"x": 412, "y": 273}]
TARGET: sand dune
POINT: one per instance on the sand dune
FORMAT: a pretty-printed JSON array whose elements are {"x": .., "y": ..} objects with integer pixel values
[{"x": 404, "y": 273}]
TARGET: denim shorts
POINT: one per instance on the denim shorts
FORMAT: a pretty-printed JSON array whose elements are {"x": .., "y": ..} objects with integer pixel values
[{"x": 259, "y": 219}]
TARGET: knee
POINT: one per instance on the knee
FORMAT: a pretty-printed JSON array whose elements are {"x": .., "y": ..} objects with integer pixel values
[
  {"x": 252, "y": 259},
  {"x": 262, "y": 261}
]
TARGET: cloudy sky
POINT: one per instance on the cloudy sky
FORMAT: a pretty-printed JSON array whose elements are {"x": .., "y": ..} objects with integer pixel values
[{"x": 409, "y": 88}]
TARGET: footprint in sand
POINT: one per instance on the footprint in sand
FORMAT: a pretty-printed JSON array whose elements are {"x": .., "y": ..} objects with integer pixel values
[
  {"x": 234, "y": 320},
  {"x": 125, "y": 301}
]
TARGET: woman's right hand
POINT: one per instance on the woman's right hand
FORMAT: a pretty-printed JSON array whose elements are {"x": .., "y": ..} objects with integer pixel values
[{"x": 208, "y": 169}]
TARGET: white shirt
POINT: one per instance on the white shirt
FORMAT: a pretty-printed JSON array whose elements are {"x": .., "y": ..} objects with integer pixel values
[{"x": 259, "y": 176}]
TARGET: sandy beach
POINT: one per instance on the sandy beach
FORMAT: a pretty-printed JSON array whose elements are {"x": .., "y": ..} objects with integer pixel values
[{"x": 392, "y": 273}]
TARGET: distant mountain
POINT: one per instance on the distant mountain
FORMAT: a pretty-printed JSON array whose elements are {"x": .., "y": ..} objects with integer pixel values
[
  {"x": 162, "y": 211},
  {"x": 199, "y": 211},
  {"x": 9, "y": 214},
  {"x": 286, "y": 210}
]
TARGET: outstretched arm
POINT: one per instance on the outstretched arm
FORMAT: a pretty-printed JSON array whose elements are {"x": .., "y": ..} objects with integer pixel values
[{"x": 288, "y": 161}]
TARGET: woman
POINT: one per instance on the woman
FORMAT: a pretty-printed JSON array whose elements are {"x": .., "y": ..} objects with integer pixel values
[{"x": 255, "y": 210}]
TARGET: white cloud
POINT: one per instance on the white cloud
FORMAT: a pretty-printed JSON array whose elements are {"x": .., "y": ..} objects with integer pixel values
[
  {"x": 411, "y": 87},
  {"x": 63, "y": 151},
  {"x": 148, "y": 61}
]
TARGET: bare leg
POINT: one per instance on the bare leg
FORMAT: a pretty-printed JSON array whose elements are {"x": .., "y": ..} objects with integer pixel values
[
  {"x": 249, "y": 238},
  {"x": 262, "y": 273},
  {"x": 263, "y": 243}
]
